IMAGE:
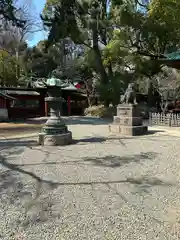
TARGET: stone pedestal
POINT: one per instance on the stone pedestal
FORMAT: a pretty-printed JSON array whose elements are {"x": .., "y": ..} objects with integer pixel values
[
  {"x": 128, "y": 121},
  {"x": 54, "y": 132}
]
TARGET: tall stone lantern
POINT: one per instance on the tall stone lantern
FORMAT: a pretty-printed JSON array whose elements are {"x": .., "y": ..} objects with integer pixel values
[{"x": 55, "y": 131}]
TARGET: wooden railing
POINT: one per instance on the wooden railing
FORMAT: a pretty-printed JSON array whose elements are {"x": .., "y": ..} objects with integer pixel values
[{"x": 169, "y": 119}]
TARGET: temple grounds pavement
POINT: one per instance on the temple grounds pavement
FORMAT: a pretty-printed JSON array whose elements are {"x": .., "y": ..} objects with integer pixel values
[{"x": 100, "y": 187}]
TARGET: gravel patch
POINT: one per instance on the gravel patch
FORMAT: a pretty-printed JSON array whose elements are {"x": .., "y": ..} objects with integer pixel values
[{"x": 100, "y": 187}]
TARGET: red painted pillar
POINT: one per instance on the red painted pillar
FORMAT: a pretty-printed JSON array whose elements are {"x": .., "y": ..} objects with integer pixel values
[{"x": 69, "y": 105}]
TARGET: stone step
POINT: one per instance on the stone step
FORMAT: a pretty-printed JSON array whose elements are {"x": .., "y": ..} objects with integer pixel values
[{"x": 125, "y": 130}]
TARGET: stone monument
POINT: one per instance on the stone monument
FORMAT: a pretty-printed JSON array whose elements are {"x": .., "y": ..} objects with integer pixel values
[
  {"x": 128, "y": 121},
  {"x": 55, "y": 131}
]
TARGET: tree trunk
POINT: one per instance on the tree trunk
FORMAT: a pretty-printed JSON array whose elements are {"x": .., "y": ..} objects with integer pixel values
[
  {"x": 98, "y": 58},
  {"x": 110, "y": 70},
  {"x": 17, "y": 65},
  {"x": 89, "y": 92},
  {"x": 150, "y": 93},
  {"x": 100, "y": 66}
]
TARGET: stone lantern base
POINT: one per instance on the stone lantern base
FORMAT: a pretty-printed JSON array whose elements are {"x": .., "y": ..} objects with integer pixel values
[
  {"x": 55, "y": 139},
  {"x": 55, "y": 131}
]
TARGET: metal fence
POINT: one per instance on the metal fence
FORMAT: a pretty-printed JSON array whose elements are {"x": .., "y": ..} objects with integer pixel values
[{"x": 170, "y": 119}]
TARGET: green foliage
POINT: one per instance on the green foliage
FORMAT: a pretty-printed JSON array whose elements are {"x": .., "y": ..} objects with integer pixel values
[
  {"x": 165, "y": 11},
  {"x": 36, "y": 63},
  {"x": 132, "y": 40},
  {"x": 84, "y": 22},
  {"x": 114, "y": 89},
  {"x": 48, "y": 8},
  {"x": 100, "y": 111},
  {"x": 166, "y": 15},
  {"x": 143, "y": 37},
  {"x": 42, "y": 45},
  {"x": 7, "y": 69}
]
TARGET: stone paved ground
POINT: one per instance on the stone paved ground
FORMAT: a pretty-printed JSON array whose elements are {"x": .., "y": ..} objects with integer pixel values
[{"x": 100, "y": 187}]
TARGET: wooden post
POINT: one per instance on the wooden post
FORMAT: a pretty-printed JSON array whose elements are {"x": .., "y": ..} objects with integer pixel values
[
  {"x": 42, "y": 106},
  {"x": 46, "y": 109},
  {"x": 69, "y": 105}
]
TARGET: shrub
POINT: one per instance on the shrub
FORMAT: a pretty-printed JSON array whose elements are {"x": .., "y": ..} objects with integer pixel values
[{"x": 100, "y": 111}]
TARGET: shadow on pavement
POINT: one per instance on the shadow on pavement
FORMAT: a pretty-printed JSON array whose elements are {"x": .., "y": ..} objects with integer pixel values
[
  {"x": 116, "y": 137},
  {"x": 151, "y": 132},
  {"x": 107, "y": 161},
  {"x": 111, "y": 161},
  {"x": 97, "y": 139},
  {"x": 12, "y": 188},
  {"x": 118, "y": 161}
]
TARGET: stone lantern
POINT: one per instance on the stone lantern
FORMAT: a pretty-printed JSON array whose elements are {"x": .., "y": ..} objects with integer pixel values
[{"x": 55, "y": 131}]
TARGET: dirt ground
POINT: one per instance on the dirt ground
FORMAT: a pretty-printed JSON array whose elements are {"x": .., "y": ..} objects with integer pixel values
[{"x": 12, "y": 129}]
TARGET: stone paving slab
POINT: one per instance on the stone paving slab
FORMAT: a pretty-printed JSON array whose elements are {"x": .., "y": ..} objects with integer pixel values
[{"x": 100, "y": 187}]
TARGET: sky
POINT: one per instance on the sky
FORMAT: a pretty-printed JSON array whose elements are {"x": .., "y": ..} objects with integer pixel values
[{"x": 39, "y": 5}]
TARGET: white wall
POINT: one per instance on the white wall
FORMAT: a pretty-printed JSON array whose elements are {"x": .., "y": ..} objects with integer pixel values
[{"x": 3, "y": 114}]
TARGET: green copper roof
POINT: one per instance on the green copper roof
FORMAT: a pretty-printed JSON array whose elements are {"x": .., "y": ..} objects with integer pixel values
[
  {"x": 56, "y": 82},
  {"x": 173, "y": 56}
]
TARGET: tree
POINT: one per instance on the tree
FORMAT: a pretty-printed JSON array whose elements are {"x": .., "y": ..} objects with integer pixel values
[
  {"x": 83, "y": 22},
  {"x": 123, "y": 42},
  {"x": 27, "y": 11},
  {"x": 8, "y": 12},
  {"x": 13, "y": 38},
  {"x": 165, "y": 14},
  {"x": 144, "y": 36},
  {"x": 36, "y": 63},
  {"x": 7, "y": 69},
  {"x": 41, "y": 45},
  {"x": 167, "y": 84},
  {"x": 83, "y": 71}
]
